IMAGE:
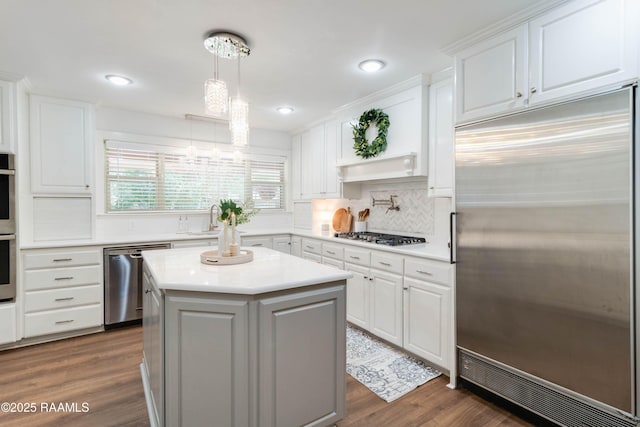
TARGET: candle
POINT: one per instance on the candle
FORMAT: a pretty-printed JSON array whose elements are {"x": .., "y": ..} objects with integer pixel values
[
  {"x": 225, "y": 244},
  {"x": 233, "y": 228}
]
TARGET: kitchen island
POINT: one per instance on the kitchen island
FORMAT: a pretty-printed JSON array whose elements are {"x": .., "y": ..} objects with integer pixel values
[{"x": 255, "y": 344}]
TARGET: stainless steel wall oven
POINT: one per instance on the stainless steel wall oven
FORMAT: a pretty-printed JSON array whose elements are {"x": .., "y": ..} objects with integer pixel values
[
  {"x": 7, "y": 194},
  {"x": 7, "y": 228}
]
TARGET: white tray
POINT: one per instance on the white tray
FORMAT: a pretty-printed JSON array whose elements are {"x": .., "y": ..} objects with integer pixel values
[{"x": 212, "y": 258}]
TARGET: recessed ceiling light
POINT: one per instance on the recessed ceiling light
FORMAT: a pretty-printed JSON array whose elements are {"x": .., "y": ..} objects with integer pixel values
[
  {"x": 118, "y": 80},
  {"x": 284, "y": 110},
  {"x": 371, "y": 65}
]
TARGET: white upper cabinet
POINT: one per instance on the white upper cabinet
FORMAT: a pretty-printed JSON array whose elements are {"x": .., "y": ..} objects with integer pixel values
[
  {"x": 491, "y": 76},
  {"x": 61, "y": 135},
  {"x": 318, "y": 151},
  {"x": 573, "y": 49},
  {"x": 581, "y": 46},
  {"x": 441, "y": 139},
  {"x": 7, "y": 117}
]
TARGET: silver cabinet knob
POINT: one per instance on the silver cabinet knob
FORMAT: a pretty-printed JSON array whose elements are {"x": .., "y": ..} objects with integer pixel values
[
  {"x": 534, "y": 90},
  {"x": 518, "y": 94}
]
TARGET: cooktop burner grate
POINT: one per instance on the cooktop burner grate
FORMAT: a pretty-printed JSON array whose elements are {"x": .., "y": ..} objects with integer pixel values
[{"x": 381, "y": 238}]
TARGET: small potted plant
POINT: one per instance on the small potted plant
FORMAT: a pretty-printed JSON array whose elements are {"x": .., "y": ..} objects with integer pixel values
[{"x": 232, "y": 214}]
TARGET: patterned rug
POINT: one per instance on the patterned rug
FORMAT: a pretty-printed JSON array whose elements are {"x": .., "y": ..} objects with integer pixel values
[{"x": 384, "y": 370}]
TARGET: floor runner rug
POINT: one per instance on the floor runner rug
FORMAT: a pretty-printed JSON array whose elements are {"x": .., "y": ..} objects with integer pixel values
[{"x": 387, "y": 372}]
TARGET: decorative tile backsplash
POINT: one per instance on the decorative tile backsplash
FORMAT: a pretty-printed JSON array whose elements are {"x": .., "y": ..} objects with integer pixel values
[{"x": 416, "y": 214}]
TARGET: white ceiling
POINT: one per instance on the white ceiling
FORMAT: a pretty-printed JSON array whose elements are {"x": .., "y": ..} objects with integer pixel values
[{"x": 304, "y": 53}]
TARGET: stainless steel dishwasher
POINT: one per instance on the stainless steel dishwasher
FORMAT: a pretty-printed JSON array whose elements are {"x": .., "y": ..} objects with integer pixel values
[{"x": 123, "y": 283}]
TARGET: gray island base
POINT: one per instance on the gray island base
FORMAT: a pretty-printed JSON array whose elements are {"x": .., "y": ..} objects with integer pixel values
[{"x": 257, "y": 344}]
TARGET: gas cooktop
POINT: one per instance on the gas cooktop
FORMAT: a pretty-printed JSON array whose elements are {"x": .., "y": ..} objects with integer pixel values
[{"x": 382, "y": 239}]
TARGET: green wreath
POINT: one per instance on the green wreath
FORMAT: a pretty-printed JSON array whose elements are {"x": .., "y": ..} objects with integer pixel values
[{"x": 363, "y": 148}]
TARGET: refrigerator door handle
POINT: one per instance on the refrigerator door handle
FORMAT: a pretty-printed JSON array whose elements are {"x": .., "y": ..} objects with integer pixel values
[{"x": 451, "y": 242}]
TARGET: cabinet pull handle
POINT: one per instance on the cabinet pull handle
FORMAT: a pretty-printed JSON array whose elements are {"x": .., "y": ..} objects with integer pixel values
[
  {"x": 331, "y": 252},
  {"x": 64, "y": 299},
  {"x": 138, "y": 308},
  {"x": 424, "y": 272},
  {"x": 354, "y": 257},
  {"x": 405, "y": 288},
  {"x": 64, "y": 278},
  {"x": 62, "y": 259},
  {"x": 146, "y": 291},
  {"x": 518, "y": 94},
  {"x": 385, "y": 263},
  {"x": 534, "y": 90},
  {"x": 371, "y": 279},
  {"x": 59, "y": 322},
  {"x": 308, "y": 247},
  {"x": 256, "y": 244}
]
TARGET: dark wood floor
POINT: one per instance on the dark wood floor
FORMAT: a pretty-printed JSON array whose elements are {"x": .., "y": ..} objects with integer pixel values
[{"x": 103, "y": 371}]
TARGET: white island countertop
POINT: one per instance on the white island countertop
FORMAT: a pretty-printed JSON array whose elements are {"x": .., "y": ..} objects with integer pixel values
[{"x": 181, "y": 270}]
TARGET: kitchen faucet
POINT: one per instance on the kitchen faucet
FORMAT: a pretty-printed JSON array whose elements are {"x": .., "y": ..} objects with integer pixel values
[{"x": 212, "y": 223}]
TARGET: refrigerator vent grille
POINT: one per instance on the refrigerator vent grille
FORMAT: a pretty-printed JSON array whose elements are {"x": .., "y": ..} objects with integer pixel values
[{"x": 555, "y": 406}]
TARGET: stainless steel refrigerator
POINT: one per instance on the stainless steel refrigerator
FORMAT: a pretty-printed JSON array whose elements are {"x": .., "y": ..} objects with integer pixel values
[{"x": 545, "y": 260}]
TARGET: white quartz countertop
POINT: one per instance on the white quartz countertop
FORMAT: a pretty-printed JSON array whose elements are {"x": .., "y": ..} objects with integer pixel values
[
  {"x": 419, "y": 250},
  {"x": 181, "y": 270}
]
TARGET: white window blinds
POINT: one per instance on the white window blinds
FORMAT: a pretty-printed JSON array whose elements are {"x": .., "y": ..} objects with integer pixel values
[{"x": 159, "y": 178}]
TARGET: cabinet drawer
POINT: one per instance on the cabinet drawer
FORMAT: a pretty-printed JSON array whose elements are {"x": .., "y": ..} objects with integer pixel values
[
  {"x": 429, "y": 271},
  {"x": 313, "y": 246},
  {"x": 312, "y": 257},
  {"x": 55, "y": 321},
  {"x": 333, "y": 262},
  {"x": 332, "y": 251},
  {"x": 257, "y": 242},
  {"x": 61, "y": 259},
  {"x": 386, "y": 262},
  {"x": 62, "y": 277},
  {"x": 62, "y": 298},
  {"x": 357, "y": 256}
]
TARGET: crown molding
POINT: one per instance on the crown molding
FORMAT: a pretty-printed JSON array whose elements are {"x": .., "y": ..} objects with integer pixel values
[{"x": 503, "y": 25}]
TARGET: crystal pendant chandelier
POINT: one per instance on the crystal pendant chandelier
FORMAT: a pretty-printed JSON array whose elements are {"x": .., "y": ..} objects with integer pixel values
[
  {"x": 216, "y": 94},
  {"x": 229, "y": 46}
]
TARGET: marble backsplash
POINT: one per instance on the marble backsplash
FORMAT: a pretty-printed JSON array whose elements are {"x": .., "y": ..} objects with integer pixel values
[{"x": 415, "y": 214}]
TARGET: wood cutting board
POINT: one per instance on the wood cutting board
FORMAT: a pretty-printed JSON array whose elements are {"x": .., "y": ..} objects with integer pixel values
[
  {"x": 346, "y": 222},
  {"x": 339, "y": 217}
]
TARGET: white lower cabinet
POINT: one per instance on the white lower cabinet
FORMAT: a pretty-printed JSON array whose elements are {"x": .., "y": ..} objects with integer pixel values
[
  {"x": 312, "y": 250},
  {"x": 428, "y": 312},
  {"x": 153, "y": 345},
  {"x": 194, "y": 243},
  {"x": 407, "y": 301},
  {"x": 282, "y": 244},
  {"x": 62, "y": 290},
  {"x": 426, "y": 320},
  {"x": 8, "y": 323},
  {"x": 385, "y": 315},
  {"x": 358, "y": 295},
  {"x": 296, "y": 246}
]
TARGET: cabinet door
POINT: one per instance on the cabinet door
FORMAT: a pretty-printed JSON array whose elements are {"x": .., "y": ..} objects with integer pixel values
[
  {"x": 385, "y": 295},
  {"x": 152, "y": 345},
  {"x": 295, "y": 167},
  {"x": 331, "y": 184},
  {"x": 7, "y": 117},
  {"x": 282, "y": 244},
  {"x": 207, "y": 361},
  {"x": 7, "y": 323},
  {"x": 491, "y": 77},
  {"x": 61, "y": 145},
  {"x": 312, "y": 162},
  {"x": 358, "y": 305},
  {"x": 440, "y": 174},
  {"x": 296, "y": 246},
  {"x": 302, "y": 358},
  {"x": 581, "y": 46},
  {"x": 426, "y": 320}
]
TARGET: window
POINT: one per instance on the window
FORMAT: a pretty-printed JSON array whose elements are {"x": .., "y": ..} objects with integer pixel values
[{"x": 160, "y": 178}]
